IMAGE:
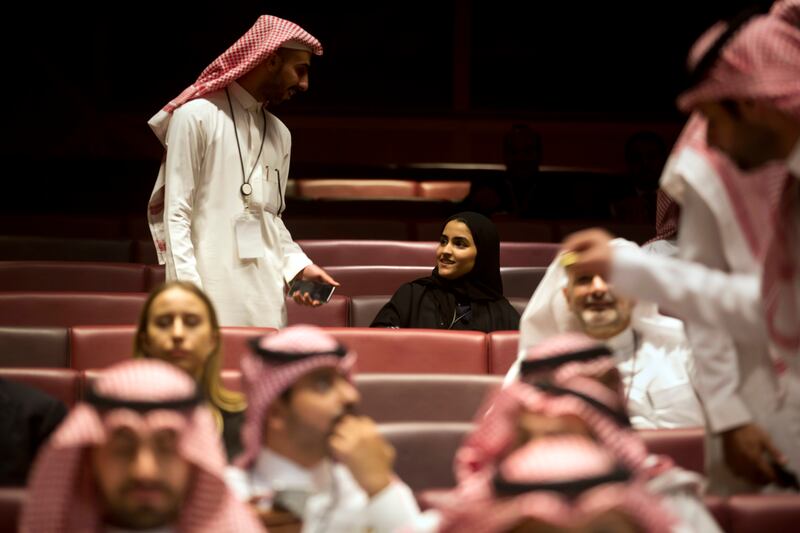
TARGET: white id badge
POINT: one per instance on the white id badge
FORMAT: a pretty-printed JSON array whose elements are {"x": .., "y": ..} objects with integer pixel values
[{"x": 248, "y": 237}]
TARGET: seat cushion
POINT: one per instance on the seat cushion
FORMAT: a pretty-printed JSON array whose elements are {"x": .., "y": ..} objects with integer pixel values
[{"x": 66, "y": 309}]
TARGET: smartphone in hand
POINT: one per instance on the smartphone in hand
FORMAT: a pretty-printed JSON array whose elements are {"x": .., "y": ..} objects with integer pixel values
[{"x": 321, "y": 292}]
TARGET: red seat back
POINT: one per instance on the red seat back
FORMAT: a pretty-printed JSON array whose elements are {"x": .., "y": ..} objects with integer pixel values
[
  {"x": 71, "y": 276},
  {"x": 454, "y": 191},
  {"x": 344, "y": 252},
  {"x": 61, "y": 383},
  {"x": 761, "y": 513},
  {"x": 372, "y": 280},
  {"x": 335, "y": 313},
  {"x": 503, "y": 347},
  {"x": 686, "y": 446},
  {"x": 425, "y": 451},
  {"x": 34, "y": 347},
  {"x": 100, "y": 346},
  {"x": 422, "y": 397},
  {"x": 234, "y": 343},
  {"x": 416, "y": 350},
  {"x": 356, "y": 188},
  {"x": 520, "y": 282},
  {"x": 66, "y": 309},
  {"x": 364, "y": 308}
]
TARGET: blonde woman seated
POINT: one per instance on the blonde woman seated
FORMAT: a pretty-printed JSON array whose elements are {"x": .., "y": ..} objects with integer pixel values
[{"x": 178, "y": 325}]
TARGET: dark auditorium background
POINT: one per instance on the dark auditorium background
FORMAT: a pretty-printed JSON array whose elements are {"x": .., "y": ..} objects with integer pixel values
[{"x": 400, "y": 83}]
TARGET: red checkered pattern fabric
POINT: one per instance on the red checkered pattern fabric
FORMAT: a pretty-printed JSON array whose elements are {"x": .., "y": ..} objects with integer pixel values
[
  {"x": 61, "y": 495},
  {"x": 555, "y": 459},
  {"x": 496, "y": 429},
  {"x": 567, "y": 343},
  {"x": 262, "y": 40},
  {"x": 762, "y": 62},
  {"x": 264, "y": 382},
  {"x": 668, "y": 214}
]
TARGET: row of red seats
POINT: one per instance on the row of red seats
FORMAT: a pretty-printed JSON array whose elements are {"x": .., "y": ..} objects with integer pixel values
[
  {"x": 66, "y": 309},
  {"x": 416, "y": 408},
  {"x": 377, "y": 188},
  {"x": 356, "y": 280},
  {"x": 380, "y": 350}
]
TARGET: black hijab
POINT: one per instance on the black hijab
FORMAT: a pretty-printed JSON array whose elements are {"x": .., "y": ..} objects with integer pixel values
[{"x": 434, "y": 301}]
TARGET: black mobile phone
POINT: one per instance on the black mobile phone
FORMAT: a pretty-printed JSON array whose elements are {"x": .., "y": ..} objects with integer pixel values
[
  {"x": 318, "y": 291},
  {"x": 786, "y": 478}
]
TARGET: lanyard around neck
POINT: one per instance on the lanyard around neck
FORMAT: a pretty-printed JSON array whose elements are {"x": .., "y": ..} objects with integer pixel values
[{"x": 246, "y": 189}]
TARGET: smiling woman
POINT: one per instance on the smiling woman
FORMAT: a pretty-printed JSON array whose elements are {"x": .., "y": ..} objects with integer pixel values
[
  {"x": 178, "y": 325},
  {"x": 464, "y": 291}
]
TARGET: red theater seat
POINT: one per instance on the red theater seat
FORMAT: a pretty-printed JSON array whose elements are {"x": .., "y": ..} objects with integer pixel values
[
  {"x": 762, "y": 513},
  {"x": 525, "y": 230},
  {"x": 34, "y": 347},
  {"x": 232, "y": 379},
  {"x": 144, "y": 252},
  {"x": 363, "y": 309},
  {"x": 356, "y": 188},
  {"x": 234, "y": 343},
  {"x": 71, "y": 276},
  {"x": 66, "y": 309},
  {"x": 376, "y": 279},
  {"x": 335, "y": 313},
  {"x": 61, "y": 383},
  {"x": 454, "y": 191},
  {"x": 346, "y": 228},
  {"x": 527, "y": 254},
  {"x": 502, "y": 351},
  {"x": 520, "y": 282},
  {"x": 686, "y": 446},
  {"x": 416, "y": 350},
  {"x": 155, "y": 276},
  {"x": 11, "y": 501},
  {"x": 343, "y": 252},
  {"x": 425, "y": 451},
  {"x": 100, "y": 346},
  {"x": 422, "y": 397}
]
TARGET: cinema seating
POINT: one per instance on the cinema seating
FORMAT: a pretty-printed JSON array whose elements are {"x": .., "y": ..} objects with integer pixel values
[
  {"x": 356, "y": 188},
  {"x": 71, "y": 276},
  {"x": 425, "y": 451},
  {"x": 455, "y": 191},
  {"x": 61, "y": 383},
  {"x": 422, "y": 397},
  {"x": 686, "y": 446},
  {"x": 65, "y": 309},
  {"x": 415, "y": 351},
  {"x": 34, "y": 347}
]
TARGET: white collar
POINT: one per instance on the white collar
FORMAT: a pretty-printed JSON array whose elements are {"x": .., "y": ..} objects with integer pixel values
[
  {"x": 282, "y": 473},
  {"x": 622, "y": 345},
  {"x": 244, "y": 98},
  {"x": 793, "y": 161}
]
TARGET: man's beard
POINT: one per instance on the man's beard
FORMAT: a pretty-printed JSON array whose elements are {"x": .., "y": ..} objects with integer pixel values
[{"x": 143, "y": 516}]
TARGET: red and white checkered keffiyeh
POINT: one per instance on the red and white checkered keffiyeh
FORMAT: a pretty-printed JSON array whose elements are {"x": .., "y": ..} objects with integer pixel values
[
  {"x": 496, "y": 429},
  {"x": 668, "y": 214},
  {"x": 262, "y": 40},
  {"x": 553, "y": 460},
  {"x": 61, "y": 494},
  {"x": 565, "y": 344},
  {"x": 762, "y": 62},
  {"x": 264, "y": 382}
]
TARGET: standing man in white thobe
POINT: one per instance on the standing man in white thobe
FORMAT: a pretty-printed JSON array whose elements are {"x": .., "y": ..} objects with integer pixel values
[
  {"x": 748, "y": 92},
  {"x": 215, "y": 211}
]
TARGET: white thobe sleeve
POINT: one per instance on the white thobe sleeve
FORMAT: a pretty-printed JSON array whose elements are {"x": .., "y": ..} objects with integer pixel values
[
  {"x": 715, "y": 372},
  {"x": 691, "y": 291},
  {"x": 184, "y": 157},
  {"x": 294, "y": 259},
  {"x": 392, "y": 508}
]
